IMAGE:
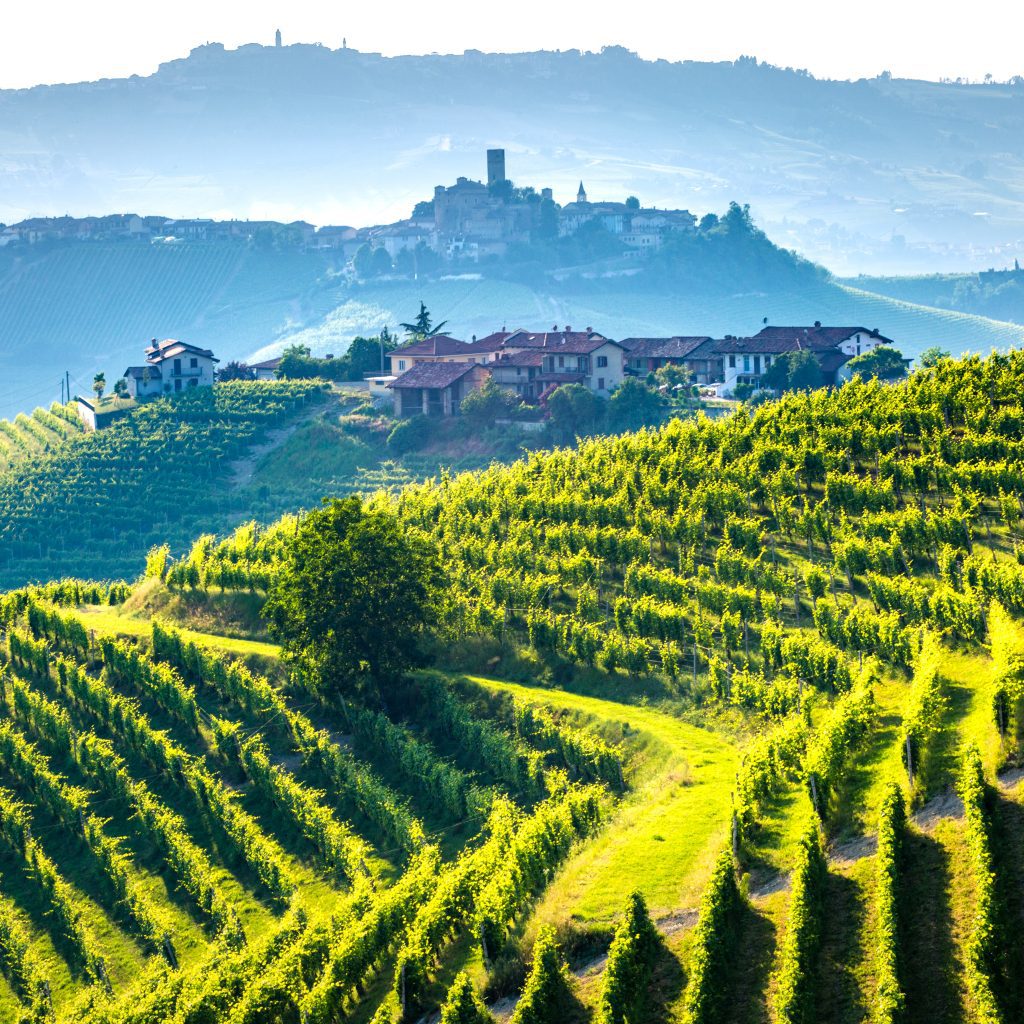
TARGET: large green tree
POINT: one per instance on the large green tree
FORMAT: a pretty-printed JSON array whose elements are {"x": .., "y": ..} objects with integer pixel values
[
  {"x": 883, "y": 362},
  {"x": 353, "y": 600},
  {"x": 422, "y": 326}
]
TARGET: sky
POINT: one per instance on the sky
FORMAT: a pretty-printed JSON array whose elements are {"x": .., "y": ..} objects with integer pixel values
[{"x": 46, "y": 41}]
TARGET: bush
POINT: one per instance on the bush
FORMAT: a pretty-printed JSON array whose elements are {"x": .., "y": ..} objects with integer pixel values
[{"x": 410, "y": 435}]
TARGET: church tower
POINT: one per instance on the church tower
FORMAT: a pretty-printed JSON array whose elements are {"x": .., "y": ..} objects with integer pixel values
[
  {"x": 581, "y": 196},
  {"x": 277, "y": 38}
]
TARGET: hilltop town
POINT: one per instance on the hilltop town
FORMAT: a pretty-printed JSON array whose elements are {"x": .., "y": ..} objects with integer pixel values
[{"x": 471, "y": 220}]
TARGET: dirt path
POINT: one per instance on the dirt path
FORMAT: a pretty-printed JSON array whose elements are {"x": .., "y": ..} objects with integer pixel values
[{"x": 242, "y": 470}]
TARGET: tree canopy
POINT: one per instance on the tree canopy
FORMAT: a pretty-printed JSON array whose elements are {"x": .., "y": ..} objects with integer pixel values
[
  {"x": 353, "y": 599},
  {"x": 883, "y": 362}
]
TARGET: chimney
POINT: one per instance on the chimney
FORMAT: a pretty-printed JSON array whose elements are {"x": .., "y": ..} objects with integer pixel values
[
  {"x": 567, "y": 328},
  {"x": 817, "y": 323}
]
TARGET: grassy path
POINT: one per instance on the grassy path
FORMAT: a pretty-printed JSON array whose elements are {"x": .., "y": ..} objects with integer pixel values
[
  {"x": 108, "y": 621},
  {"x": 666, "y": 831}
]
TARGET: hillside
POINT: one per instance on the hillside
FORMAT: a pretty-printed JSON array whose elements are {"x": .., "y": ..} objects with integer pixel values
[
  {"x": 89, "y": 307},
  {"x": 1001, "y": 296},
  {"x": 881, "y": 175},
  {"x": 766, "y": 672}
]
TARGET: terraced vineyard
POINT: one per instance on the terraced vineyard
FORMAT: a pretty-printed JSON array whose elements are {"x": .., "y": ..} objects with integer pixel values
[
  {"x": 89, "y": 504},
  {"x": 723, "y": 726}
]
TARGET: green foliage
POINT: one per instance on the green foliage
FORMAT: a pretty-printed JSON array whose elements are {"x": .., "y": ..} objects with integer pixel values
[
  {"x": 573, "y": 409},
  {"x": 352, "y": 601},
  {"x": 890, "y": 1001},
  {"x": 625, "y": 988},
  {"x": 487, "y": 403},
  {"x": 461, "y": 1005},
  {"x": 984, "y": 953},
  {"x": 715, "y": 947},
  {"x": 795, "y": 971},
  {"x": 547, "y": 997},
  {"x": 883, "y": 361}
]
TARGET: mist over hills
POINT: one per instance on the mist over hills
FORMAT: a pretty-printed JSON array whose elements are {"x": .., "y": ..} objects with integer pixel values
[{"x": 878, "y": 175}]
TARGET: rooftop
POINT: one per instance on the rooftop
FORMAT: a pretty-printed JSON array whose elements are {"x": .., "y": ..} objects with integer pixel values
[{"x": 433, "y": 375}]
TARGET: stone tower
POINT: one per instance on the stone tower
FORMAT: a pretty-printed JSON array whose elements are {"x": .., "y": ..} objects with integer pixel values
[{"x": 495, "y": 166}]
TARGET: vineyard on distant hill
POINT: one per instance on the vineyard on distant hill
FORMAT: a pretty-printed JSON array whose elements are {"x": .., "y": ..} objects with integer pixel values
[
  {"x": 89, "y": 504},
  {"x": 753, "y": 756}
]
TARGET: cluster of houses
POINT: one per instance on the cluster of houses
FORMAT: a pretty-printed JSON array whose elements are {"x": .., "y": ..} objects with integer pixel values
[{"x": 431, "y": 377}]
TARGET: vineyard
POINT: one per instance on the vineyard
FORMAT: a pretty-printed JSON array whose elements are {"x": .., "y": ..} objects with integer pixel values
[
  {"x": 724, "y": 725},
  {"x": 89, "y": 504}
]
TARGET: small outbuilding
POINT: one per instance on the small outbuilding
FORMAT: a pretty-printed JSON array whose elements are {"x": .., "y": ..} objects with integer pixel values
[{"x": 436, "y": 389}]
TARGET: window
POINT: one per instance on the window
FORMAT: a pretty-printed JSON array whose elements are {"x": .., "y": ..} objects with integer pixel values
[
  {"x": 602, "y": 361},
  {"x": 401, "y": 364},
  {"x": 177, "y": 384},
  {"x": 732, "y": 362},
  {"x": 746, "y": 364},
  {"x": 193, "y": 363},
  {"x": 177, "y": 366},
  {"x": 600, "y": 383},
  {"x": 757, "y": 364},
  {"x": 561, "y": 361}
]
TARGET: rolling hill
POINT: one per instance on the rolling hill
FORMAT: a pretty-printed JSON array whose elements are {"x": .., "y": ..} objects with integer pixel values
[
  {"x": 881, "y": 175},
  {"x": 723, "y": 725}
]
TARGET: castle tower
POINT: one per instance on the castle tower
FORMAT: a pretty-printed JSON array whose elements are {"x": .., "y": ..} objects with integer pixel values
[
  {"x": 581, "y": 196},
  {"x": 277, "y": 38},
  {"x": 495, "y": 166}
]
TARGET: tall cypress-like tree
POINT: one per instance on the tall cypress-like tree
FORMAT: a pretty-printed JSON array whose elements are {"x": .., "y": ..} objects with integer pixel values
[{"x": 462, "y": 1005}]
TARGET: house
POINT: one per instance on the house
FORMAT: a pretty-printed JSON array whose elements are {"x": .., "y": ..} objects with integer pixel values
[
  {"x": 645, "y": 355},
  {"x": 436, "y": 388},
  {"x": 518, "y": 372},
  {"x": 170, "y": 366},
  {"x": 570, "y": 357},
  {"x": 267, "y": 369},
  {"x": 440, "y": 348},
  {"x": 745, "y": 360}
]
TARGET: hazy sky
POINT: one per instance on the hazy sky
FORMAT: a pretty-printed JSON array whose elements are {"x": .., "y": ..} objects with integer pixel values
[{"x": 68, "y": 40}]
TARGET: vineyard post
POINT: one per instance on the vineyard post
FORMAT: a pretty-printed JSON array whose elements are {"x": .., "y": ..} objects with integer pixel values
[
  {"x": 814, "y": 792},
  {"x": 735, "y": 834},
  {"x": 910, "y": 760}
]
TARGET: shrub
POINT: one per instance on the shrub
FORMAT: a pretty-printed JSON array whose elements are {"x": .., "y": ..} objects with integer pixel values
[{"x": 547, "y": 997}]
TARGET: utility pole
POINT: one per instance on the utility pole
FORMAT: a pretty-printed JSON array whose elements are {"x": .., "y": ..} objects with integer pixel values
[{"x": 67, "y": 377}]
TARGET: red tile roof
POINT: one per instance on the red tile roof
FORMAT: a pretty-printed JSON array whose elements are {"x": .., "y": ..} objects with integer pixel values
[
  {"x": 434, "y": 375},
  {"x": 439, "y": 345},
  {"x": 158, "y": 350},
  {"x": 528, "y": 357},
  {"x": 817, "y": 335},
  {"x": 571, "y": 342}
]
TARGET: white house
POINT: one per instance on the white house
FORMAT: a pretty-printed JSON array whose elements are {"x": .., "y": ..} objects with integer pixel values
[
  {"x": 171, "y": 366},
  {"x": 266, "y": 370},
  {"x": 745, "y": 360}
]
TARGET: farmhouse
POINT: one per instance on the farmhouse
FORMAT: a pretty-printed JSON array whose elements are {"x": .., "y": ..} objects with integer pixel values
[
  {"x": 170, "y": 366},
  {"x": 696, "y": 354},
  {"x": 745, "y": 360},
  {"x": 266, "y": 370},
  {"x": 436, "y": 389}
]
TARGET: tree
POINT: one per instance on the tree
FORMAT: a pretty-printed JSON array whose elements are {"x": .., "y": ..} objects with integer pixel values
[
  {"x": 99, "y": 383},
  {"x": 380, "y": 262},
  {"x": 883, "y": 362},
  {"x": 422, "y": 327},
  {"x": 633, "y": 404},
  {"x": 793, "y": 371},
  {"x": 353, "y": 598},
  {"x": 365, "y": 355},
  {"x": 931, "y": 357},
  {"x": 547, "y": 997},
  {"x": 573, "y": 408},
  {"x": 462, "y": 1005},
  {"x": 625, "y": 990},
  {"x": 804, "y": 371},
  {"x": 488, "y": 403},
  {"x": 235, "y": 371},
  {"x": 121, "y": 388},
  {"x": 632, "y": 203}
]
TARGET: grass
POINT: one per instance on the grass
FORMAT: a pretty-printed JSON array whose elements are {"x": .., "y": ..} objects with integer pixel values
[
  {"x": 665, "y": 833},
  {"x": 107, "y": 620}
]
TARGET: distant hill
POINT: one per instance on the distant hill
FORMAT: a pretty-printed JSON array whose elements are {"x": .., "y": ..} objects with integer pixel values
[
  {"x": 997, "y": 294},
  {"x": 883, "y": 174}
]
